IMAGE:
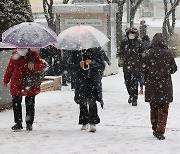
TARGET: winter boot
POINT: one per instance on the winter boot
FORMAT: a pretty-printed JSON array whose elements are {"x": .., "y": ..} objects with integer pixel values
[
  {"x": 134, "y": 103},
  {"x": 29, "y": 127},
  {"x": 17, "y": 126},
  {"x": 130, "y": 99},
  {"x": 92, "y": 128},
  {"x": 84, "y": 127},
  {"x": 158, "y": 135}
]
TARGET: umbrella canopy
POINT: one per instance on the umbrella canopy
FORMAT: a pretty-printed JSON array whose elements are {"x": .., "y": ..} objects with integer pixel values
[
  {"x": 6, "y": 46},
  {"x": 29, "y": 35},
  {"x": 81, "y": 37}
]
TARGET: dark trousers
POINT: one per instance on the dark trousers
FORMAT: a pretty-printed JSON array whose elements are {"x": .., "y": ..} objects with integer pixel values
[
  {"x": 17, "y": 109},
  {"x": 73, "y": 79},
  {"x": 89, "y": 113},
  {"x": 131, "y": 82},
  {"x": 158, "y": 115},
  {"x": 64, "y": 78},
  {"x": 141, "y": 80}
]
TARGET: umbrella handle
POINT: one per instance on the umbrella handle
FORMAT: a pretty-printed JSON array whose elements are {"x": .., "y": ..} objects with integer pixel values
[{"x": 86, "y": 67}]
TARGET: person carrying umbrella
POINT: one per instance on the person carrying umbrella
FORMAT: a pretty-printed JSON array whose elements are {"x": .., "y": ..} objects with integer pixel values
[
  {"x": 25, "y": 65},
  {"x": 88, "y": 65},
  {"x": 19, "y": 64}
]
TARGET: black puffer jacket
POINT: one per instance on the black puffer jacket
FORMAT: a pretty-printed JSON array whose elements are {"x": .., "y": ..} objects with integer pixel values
[{"x": 131, "y": 52}]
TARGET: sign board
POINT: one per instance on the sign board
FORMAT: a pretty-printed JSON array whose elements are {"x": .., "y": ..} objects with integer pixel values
[{"x": 89, "y": 22}]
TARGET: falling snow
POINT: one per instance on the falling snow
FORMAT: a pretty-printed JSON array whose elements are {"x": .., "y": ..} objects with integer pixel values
[{"x": 123, "y": 129}]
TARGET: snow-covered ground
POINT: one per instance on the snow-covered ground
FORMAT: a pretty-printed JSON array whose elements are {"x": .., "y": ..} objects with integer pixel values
[{"x": 124, "y": 129}]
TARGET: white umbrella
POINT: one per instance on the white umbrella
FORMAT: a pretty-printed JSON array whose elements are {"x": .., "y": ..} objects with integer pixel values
[{"x": 81, "y": 37}]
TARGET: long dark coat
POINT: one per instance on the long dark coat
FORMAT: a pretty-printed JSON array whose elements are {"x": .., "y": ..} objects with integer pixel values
[
  {"x": 158, "y": 64},
  {"x": 130, "y": 52},
  {"x": 88, "y": 82},
  {"x": 47, "y": 54},
  {"x": 60, "y": 62}
]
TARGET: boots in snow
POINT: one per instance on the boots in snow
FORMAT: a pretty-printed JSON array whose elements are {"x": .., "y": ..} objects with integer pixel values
[
  {"x": 134, "y": 103},
  {"x": 92, "y": 128},
  {"x": 130, "y": 99},
  {"x": 28, "y": 127},
  {"x": 158, "y": 135},
  {"x": 84, "y": 127},
  {"x": 17, "y": 126}
]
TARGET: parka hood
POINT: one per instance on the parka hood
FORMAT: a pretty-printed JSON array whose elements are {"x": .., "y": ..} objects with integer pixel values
[
  {"x": 132, "y": 30},
  {"x": 159, "y": 41}
]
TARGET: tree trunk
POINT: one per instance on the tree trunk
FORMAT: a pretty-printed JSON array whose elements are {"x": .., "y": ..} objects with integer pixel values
[
  {"x": 47, "y": 6},
  {"x": 167, "y": 29},
  {"x": 119, "y": 22},
  {"x": 134, "y": 6}
]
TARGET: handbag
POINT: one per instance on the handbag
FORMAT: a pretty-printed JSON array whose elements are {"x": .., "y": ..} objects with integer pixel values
[{"x": 31, "y": 79}]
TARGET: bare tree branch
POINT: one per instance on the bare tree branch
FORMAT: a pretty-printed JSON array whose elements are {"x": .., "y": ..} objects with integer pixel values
[
  {"x": 134, "y": 7},
  {"x": 167, "y": 29},
  {"x": 119, "y": 22}
]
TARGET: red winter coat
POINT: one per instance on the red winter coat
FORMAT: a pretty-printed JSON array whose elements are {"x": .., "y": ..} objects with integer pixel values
[{"x": 16, "y": 67}]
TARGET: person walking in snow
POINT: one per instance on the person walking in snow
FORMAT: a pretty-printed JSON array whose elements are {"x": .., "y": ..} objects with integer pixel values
[
  {"x": 19, "y": 64},
  {"x": 130, "y": 51},
  {"x": 61, "y": 59},
  {"x": 143, "y": 28},
  {"x": 47, "y": 54},
  {"x": 157, "y": 65},
  {"x": 89, "y": 66}
]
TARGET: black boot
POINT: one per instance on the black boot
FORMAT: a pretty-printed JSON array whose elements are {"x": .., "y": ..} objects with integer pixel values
[
  {"x": 130, "y": 99},
  {"x": 28, "y": 127},
  {"x": 158, "y": 135},
  {"x": 17, "y": 126},
  {"x": 134, "y": 103}
]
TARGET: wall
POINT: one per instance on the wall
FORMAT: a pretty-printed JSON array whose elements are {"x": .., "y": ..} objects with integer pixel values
[{"x": 5, "y": 97}]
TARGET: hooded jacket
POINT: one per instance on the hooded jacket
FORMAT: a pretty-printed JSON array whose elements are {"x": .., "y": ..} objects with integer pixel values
[
  {"x": 130, "y": 52},
  {"x": 157, "y": 65}
]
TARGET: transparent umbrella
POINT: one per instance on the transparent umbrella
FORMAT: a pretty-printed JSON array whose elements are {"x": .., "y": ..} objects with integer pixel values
[
  {"x": 29, "y": 35},
  {"x": 81, "y": 37}
]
